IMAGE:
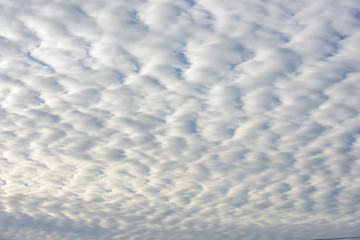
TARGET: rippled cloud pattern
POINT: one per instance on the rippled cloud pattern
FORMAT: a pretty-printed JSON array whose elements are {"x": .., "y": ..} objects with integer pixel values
[{"x": 185, "y": 119}]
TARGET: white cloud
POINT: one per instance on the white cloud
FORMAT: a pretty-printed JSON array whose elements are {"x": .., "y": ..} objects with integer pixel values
[{"x": 179, "y": 119}]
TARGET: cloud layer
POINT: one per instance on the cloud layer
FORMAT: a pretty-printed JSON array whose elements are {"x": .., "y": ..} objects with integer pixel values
[{"x": 159, "y": 119}]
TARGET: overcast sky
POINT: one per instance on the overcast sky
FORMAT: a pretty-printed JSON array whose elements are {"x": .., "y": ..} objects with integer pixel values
[{"x": 179, "y": 119}]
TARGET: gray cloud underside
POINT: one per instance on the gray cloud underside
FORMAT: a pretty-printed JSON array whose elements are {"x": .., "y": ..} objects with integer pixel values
[{"x": 214, "y": 119}]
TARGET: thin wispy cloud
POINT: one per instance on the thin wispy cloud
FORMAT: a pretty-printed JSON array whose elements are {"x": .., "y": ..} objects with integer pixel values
[{"x": 186, "y": 119}]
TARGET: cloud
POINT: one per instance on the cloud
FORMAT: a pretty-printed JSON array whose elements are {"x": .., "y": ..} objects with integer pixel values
[{"x": 179, "y": 119}]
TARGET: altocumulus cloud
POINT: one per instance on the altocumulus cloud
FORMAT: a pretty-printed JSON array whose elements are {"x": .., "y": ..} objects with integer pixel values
[{"x": 187, "y": 119}]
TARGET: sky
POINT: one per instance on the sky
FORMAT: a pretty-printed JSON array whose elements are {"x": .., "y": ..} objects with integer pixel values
[{"x": 179, "y": 119}]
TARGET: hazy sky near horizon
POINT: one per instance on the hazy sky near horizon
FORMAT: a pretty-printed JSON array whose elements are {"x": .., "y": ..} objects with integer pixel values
[{"x": 179, "y": 119}]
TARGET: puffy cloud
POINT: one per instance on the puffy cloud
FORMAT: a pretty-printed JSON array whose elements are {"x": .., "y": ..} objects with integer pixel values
[{"x": 179, "y": 119}]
